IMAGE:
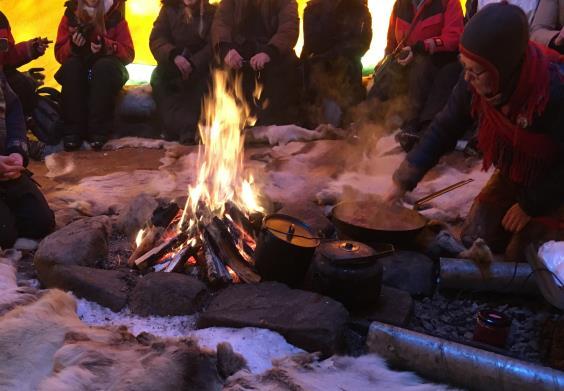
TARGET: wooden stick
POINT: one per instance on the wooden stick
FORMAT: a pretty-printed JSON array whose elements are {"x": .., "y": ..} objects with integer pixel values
[
  {"x": 216, "y": 271},
  {"x": 154, "y": 254},
  {"x": 228, "y": 253},
  {"x": 151, "y": 237}
]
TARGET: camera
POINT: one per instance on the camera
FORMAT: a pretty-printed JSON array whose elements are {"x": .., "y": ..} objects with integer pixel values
[
  {"x": 4, "y": 45},
  {"x": 85, "y": 29}
]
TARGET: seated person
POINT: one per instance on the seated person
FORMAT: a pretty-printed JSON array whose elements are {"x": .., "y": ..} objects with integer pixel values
[
  {"x": 548, "y": 25},
  {"x": 529, "y": 7},
  {"x": 180, "y": 43},
  {"x": 337, "y": 33},
  {"x": 256, "y": 39},
  {"x": 428, "y": 33},
  {"x": 516, "y": 92},
  {"x": 23, "y": 209},
  {"x": 93, "y": 45}
]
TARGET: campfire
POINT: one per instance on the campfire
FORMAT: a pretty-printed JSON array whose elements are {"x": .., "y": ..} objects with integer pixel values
[{"x": 214, "y": 235}]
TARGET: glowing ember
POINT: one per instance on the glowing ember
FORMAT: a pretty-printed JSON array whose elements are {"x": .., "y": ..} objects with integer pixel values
[{"x": 234, "y": 276}]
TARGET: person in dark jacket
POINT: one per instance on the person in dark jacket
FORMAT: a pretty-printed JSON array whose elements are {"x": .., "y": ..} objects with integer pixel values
[
  {"x": 23, "y": 209},
  {"x": 516, "y": 92},
  {"x": 337, "y": 33},
  {"x": 256, "y": 39},
  {"x": 181, "y": 45},
  {"x": 93, "y": 45},
  {"x": 428, "y": 33}
]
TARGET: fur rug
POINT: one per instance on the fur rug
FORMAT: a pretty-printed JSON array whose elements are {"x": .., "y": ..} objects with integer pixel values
[
  {"x": 306, "y": 373},
  {"x": 45, "y": 346}
]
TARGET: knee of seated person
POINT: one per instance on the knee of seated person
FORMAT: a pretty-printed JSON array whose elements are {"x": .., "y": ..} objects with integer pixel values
[
  {"x": 41, "y": 224},
  {"x": 8, "y": 235},
  {"x": 106, "y": 66}
]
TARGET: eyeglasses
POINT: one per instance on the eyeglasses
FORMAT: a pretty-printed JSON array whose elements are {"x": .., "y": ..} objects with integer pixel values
[{"x": 470, "y": 73}]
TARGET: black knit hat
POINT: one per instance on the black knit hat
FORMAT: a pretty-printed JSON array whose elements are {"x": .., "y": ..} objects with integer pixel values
[{"x": 497, "y": 38}]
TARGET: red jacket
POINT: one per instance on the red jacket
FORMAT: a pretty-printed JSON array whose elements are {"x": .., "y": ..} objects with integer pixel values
[
  {"x": 438, "y": 27},
  {"x": 13, "y": 54},
  {"x": 117, "y": 41}
]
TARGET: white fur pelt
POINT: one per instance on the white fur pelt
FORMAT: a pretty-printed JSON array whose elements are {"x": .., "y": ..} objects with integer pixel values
[
  {"x": 138, "y": 142},
  {"x": 282, "y": 135},
  {"x": 306, "y": 373},
  {"x": 11, "y": 295},
  {"x": 44, "y": 346}
]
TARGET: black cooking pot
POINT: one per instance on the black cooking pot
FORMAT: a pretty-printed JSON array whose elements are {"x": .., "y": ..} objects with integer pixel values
[
  {"x": 285, "y": 248},
  {"x": 349, "y": 272},
  {"x": 377, "y": 222}
]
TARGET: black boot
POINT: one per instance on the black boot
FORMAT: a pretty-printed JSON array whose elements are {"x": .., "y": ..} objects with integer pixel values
[{"x": 72, "y": 142}]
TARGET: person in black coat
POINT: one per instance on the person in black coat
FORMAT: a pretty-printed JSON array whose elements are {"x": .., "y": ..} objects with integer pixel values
[
  {"x": 337, "y": 33},
  {"x": 180, "y": 42}
]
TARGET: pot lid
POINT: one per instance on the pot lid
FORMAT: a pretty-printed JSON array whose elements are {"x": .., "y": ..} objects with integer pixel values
[
  {"x": 346, "y": 251},
  {"x": 290, "y": 230}
]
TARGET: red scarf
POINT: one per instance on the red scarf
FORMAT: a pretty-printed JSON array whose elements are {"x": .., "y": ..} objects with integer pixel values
[{"x": 504, "y": 139}]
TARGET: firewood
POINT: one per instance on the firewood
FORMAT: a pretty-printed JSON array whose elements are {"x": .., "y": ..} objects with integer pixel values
[
  {"x": 217, "y": 273},
  {"x": 152, "y": 235},
  {"x": 177, "y": 262},
  {"x": 251, "y": 224},
  {"x": 154, "y": 254},
  {"x": 228, "y": 253}
]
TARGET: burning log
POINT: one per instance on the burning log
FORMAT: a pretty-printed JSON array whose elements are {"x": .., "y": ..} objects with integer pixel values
[
  {"x": 148, "y": 242},
  {"x": 179, "y": 259},
  {"x": 220, "y": 237},
  {"x": 156, "y": 253},
  {"x": 251, "y": 224},
  {"x": 217, "y": 273},
  {"x": 243, "y": 242}
]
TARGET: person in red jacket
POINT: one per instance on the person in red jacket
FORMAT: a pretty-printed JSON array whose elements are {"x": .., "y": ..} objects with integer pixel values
[
  {"x": 93, "y": 45},
  {"x": 426, "y": 69},
  {"x": 24, "y": 212}
]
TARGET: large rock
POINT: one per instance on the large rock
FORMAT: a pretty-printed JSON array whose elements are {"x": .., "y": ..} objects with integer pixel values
[
  {"x": 410, "y": 271},
  {"x": 394, "y": 307},
  {"x": 109, "y": 288},
  {"x": 307, "y": 320},
  {"x": 136, "y": 214},
  {"x": 167, "y": 294},
  {"x": 82, "y": 243}
]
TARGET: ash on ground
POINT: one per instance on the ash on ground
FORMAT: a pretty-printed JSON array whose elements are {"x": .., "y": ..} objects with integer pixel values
[{"x": 452, "y": 316}]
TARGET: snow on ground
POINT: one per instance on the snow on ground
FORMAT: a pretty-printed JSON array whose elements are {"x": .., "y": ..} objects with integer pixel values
[
  {"x": 174, "y": 326},
  {"x": 258, "y": 346}
]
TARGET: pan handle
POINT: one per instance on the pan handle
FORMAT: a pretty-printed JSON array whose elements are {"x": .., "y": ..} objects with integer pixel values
[{"x": 420, "y": 202}]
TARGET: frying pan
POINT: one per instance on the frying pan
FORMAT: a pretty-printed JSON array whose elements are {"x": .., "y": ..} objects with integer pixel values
[{"x": 379, "y": 222}]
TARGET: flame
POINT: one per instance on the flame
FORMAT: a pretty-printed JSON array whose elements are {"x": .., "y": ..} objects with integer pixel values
[
  {"x": 139, "y": 237},
  {"x": 220, "y": 178}
]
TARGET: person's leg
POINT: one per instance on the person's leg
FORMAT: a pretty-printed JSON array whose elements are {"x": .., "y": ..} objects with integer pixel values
[
  {"x": 539, "y": 230},
  {"x": 192, "y": 98},
  {"x": 73, "y": 77},
  {"x": 166, "y": 93},
  {"x": 33, "y": 217},
  {"x": 440, "y": 91},
  {"x": 108, "y": 75},
  {"x": 279, "y": 100},
  {"x": 8, "y": 230},
  {"x": 24, "y": 87},
  {"x": 487, "y": 212},
  {"x": 421, "y": 74}
]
